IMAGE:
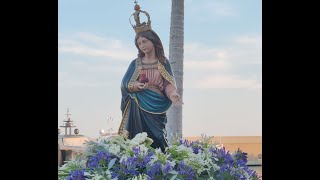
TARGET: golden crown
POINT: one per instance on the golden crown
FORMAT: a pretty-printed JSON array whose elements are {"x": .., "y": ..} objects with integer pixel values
[{"x": 139, "y": 27}]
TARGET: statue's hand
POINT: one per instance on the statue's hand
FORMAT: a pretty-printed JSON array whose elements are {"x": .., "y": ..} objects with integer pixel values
[
  {"x": 176, "y": 99},
  {"x": 142, "y": 85}
]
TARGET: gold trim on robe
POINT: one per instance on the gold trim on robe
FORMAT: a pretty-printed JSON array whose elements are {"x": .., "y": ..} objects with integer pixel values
[
  {"x": 135, "y": 75},
  {"x": 137, "y": 102},
  {"x": 122, "y": 131},
  {"x": 137, "y": 71},
  {"x": 166, "y": 75}
]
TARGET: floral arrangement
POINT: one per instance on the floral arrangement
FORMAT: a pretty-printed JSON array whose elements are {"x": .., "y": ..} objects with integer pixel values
[{"x": 117, "y": 158}]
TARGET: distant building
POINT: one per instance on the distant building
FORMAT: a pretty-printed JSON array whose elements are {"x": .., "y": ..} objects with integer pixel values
[
  {"x": 70, "y": 143},
  {"x": 106, "y": 135}
]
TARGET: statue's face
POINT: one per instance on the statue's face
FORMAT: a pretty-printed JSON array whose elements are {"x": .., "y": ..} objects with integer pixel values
[{"x": 145, "y": 45}]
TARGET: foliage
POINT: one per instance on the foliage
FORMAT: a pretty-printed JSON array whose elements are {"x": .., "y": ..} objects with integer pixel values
[{"x": 118, "y": 158}]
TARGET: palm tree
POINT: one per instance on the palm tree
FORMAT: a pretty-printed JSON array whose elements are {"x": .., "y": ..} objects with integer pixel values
[{"x": 174, "y": 114}]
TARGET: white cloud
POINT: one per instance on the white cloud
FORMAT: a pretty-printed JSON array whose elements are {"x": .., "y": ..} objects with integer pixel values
[
  {"x": 90, "y": 37},
  {"x": 219, "y": 8},
  {"x": 72, "y": 84},
  {"x": 202, "y": 52},
  {"x": 244, "y": 49},
  {"x": 201, "y": 65},
  {"x": 211, "y": 67},
  {"x": 209, "y": 10},
  {"x": 228, "y": 81},
  {"x": 199, "y": 59},
  {"x": 75, "y": 82},
  {"x": 96, "y": 67},
  {"x": 69, "y": 80},
  {"x": 91, "y": 45},
  {"x": 249, "y": 40}
]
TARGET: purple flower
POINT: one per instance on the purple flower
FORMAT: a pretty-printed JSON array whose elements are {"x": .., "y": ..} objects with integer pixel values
[
  {"x": 186, "y": 171},
  {"x": 251, "y": 172},
  {"x": 114, "y": 174},
  {"x": 93, "y": 162},
  {"x": 104, "y": 155},
  {"x": 155, "y": 170},
  {"x": 240, "y": 162},
  {"x": 195, "y": 150},
  {"x": 231, "y": 166},
  {"x": 223, "y": 156},
  {"x": 136, "y": 150},
  {"x": 76, "y": 175},
  {"x": 130, "y": 166},
  {"x": 147, "y": 159},
  {"x": 100, "y": 159},
  {"x": 167, "y": 167},
  {"x": 181, "y": 141},
  {"x": 240, "y": 157}
]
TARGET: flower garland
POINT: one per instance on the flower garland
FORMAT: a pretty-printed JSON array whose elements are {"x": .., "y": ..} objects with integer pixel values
[{"x": 117, "y": 158}]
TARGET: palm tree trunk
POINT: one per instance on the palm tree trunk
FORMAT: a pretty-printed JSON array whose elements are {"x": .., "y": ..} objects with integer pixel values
[{"x": 174, "y": 114}]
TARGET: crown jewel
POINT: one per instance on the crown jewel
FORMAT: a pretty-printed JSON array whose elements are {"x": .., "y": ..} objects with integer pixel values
[{"x": 139, "y": 27}]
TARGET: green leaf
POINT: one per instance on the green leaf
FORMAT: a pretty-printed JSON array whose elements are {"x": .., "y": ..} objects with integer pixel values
[
  {"x": 111, "y": 163},
  {"x": 174, "y": 177},
  {"x": 173, "y": 172}
]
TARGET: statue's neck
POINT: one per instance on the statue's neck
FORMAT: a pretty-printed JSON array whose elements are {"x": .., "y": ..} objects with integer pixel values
[{"x": 149, "y": 58}]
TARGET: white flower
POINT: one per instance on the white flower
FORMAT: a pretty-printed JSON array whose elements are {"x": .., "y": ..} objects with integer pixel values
[
  {"x": 106, "y": 146},
  {"x": 182, "y": 147},
  {"x": 158, "y": 151},
  {"x": 114, "y": 149},
  {"x": 202, "y": 162},
  {"x": 123, "y": 158},
  {"x": 196, "y": 162},
  {"x": 140, "y": 177},
  {"x": 143, "y": 150},
  {"x": 215, "y": 167},
  {"x": 172, "y": 163},
  {"x": 109, "y": 174},
  {"x": 97, "y": 177},
  {"x": 139, "y": 138},
  {"x": 79, "y": 163},
  {"x": 246, "y": 175},
  {"x": 63, "y": 167}
]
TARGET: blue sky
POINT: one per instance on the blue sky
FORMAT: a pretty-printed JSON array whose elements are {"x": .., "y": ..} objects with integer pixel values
[{"x": 222, "y": 63}]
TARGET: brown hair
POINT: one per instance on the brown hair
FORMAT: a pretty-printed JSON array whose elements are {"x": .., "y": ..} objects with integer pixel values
[{"x": 154, "y": 38}]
